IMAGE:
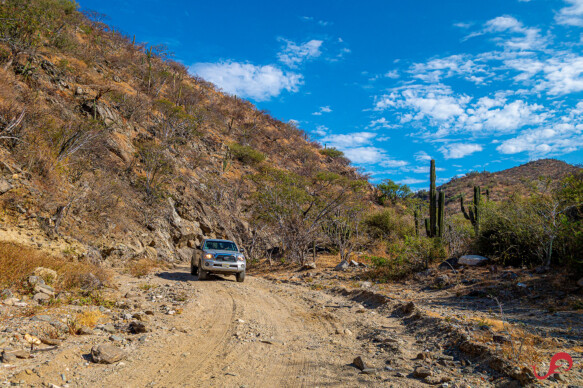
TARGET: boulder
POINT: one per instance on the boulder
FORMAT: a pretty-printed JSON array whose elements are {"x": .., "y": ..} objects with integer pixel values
[
  {"x": 473, "y": 260},
  {"x": 33, "y": 280},
  {"x": 342, "y": 266},
  {"x": 580, "y": 282},
  {"x": 43, "y": 288},
  {"x": 47, "y": 274},
  {"x": 449, "y": 264},
  {"x": 311, "y": 265},
  {"x": 106, "y": 354},
  {"x": 90, "y": 282},
  {"x": 41, "y": 298},
  {"x": 5, "y": 186}
]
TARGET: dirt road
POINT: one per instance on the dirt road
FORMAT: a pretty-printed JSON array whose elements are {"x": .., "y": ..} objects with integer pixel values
[{"x": 253, "y": 334}]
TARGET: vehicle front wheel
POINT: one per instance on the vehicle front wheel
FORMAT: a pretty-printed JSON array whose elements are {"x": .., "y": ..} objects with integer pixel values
[
  {"x": 240, "y": 277},
  {"x": 202, "y": 274},
  {"x": 193, "y": 269}
]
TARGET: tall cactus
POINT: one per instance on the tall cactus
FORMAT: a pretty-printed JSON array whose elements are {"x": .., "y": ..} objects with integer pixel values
[
  {"x": 441, "y": 214},
  {"x": 427, "y": 228},
  {"x": 474, "y": 212},
  {"x": 432, "y": 201},
  {"x": 416, "y": 215}
]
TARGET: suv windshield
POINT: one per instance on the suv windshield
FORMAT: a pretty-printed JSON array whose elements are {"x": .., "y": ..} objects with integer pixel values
[{"x": 221, "y": 246}]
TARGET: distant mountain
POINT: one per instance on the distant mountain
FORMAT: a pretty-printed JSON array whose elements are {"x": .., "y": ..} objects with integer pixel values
[{"x": 502, "y": 184}]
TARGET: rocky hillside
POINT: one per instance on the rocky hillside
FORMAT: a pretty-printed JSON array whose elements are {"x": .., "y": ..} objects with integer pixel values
[
  {"x": 503, "y": 184},
  {"x": 112, "y": 146}
]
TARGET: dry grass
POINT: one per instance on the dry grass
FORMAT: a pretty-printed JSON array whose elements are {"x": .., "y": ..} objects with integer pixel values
[
  {"x": 17, "y": 262},
  {"x": 90, "y": 318},
  {"x": 142, "y": 267}
]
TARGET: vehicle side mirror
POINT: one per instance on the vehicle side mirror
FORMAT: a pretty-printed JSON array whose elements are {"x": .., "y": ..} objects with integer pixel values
[
  {"x": 199, "y": 248},
  {"x": 242, "y": 250}
]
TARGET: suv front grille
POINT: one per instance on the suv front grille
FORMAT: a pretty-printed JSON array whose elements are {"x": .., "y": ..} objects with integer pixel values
[{"x": 226, "y": 258}]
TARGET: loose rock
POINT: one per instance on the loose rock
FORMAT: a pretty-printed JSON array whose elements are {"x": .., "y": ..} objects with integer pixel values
[
  {"x": 359, "y": 363},
  {"x": 84, "y": 330},
  {"x": 472, "y": 260},
  {"x": 311, "y": 265},
  {"x": 421, "y": 372},
  {"x": 106, "y": 354},
  {"x": 342, "y": 266},
  {"x": 137, "y": 327}
]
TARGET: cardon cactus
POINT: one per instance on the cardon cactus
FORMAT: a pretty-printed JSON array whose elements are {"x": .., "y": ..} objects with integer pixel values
[
  {"x": 432, "y": 201},
  {"x": 474, "y": 212}
]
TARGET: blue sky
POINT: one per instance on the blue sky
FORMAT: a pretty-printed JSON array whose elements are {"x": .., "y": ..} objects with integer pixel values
[{"x": 476, "y": 85}]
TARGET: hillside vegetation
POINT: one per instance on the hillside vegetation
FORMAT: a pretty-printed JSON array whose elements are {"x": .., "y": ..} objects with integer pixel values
[
  {"x": 112, "y": 143},
  {"x": 505, "y": 183}
]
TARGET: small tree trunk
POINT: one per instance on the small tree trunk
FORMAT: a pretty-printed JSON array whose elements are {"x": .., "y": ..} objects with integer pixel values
[{"x": 314, "y": 248}]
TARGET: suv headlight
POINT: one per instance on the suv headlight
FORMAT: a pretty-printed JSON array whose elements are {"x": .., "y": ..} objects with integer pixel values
[
  {"x": 241, "y": 258},
  {"x": 208, "y": 256}
]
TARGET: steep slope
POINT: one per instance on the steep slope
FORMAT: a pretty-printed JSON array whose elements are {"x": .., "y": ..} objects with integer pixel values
[{"x": 114, "y": 146}]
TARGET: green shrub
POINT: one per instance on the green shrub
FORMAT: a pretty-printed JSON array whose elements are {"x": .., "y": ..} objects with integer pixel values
[
  {"x": 389, "y": 225},
  {"x": 332, "y": 153},
  {"x": 544, "y": 228},
  {"x": 406, "y": 257},
  {"x": 246, "y": 154}
]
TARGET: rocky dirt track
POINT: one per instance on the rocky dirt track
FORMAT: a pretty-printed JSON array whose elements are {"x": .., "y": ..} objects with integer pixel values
[
  {"x": 260, "y": 333},
  {"x": 254, "y": 334}
]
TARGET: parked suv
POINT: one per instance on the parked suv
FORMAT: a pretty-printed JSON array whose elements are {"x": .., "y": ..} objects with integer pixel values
[{"x": 218, "y": 256}]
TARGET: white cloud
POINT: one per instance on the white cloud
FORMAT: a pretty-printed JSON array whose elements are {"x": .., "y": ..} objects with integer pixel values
[
  {"x": 571, "y": 15},
  {"x": 433, "y": 101},
  {"x": 456, "y": 113},
  {"x": 454, "y": 65},
  {"x": 323, "y": 109},
  {"x": 425, "y": 169},
  {"x": 356, "y": 146},
  {"x": 560, "y": 139},
  {"x": 411, "y": 181},
  {"x": 394, "y": 74},
  {"x": 521, "y": 37},
  {"x": 380, "y": 123},
  {"x": 364, "y": 155},
  {"x": 422, "y": 156},
  {"x": 344, "y": 141},
  {"x": 293, "y": 54},
  {"x": 247, "y": 80},
  {"x": 321, "y": 130},
  {"x": 459, "y": 150}
]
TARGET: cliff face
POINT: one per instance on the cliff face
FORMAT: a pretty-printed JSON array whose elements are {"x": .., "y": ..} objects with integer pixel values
[{"x": 108, "y": 144}]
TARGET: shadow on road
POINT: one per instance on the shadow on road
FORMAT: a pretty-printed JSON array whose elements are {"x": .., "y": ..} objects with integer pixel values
[{"x": 187, "y": 277}]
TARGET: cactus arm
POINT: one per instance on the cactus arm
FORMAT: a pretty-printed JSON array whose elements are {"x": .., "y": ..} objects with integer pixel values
[{"x": 441, "y": 214}]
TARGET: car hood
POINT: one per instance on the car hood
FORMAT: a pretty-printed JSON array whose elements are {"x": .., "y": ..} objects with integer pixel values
[{"x": 220, "y": 252}]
